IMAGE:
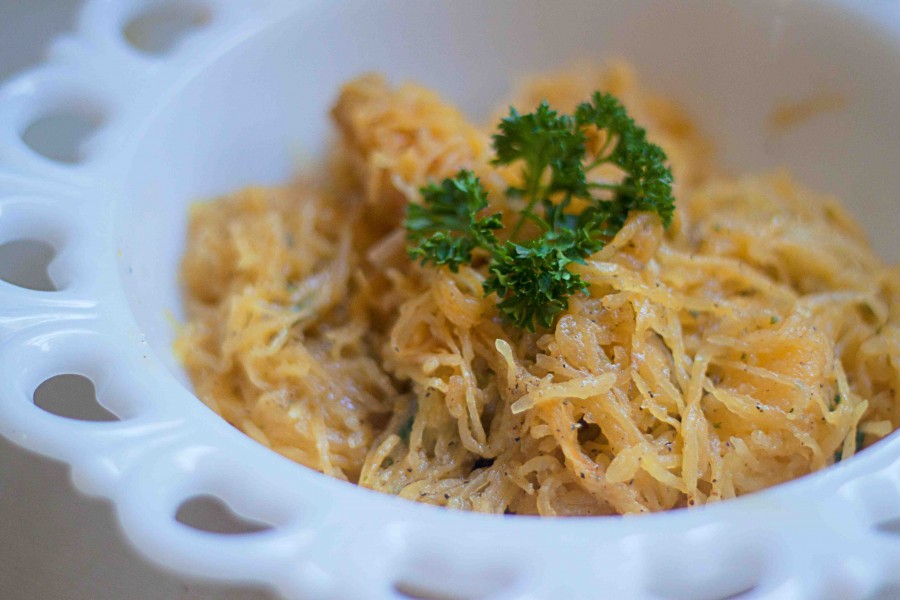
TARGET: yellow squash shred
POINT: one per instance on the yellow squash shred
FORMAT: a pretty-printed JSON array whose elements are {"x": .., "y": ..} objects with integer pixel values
[{"x": 755, "y": 341}]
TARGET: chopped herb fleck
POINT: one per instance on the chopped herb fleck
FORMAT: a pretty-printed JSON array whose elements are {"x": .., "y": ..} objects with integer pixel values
[
  {"x": 860, "y": 440},
  {"x": 405, "y": 429}
]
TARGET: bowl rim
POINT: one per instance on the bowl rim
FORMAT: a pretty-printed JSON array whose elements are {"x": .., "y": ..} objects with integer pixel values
[{"x": 329, "y": 538}]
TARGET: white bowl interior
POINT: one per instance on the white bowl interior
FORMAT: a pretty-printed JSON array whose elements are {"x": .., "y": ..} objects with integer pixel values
[{"x": 259, "y": 110}]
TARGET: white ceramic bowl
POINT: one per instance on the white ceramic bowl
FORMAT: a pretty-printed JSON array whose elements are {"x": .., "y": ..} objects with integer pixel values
[{"x": 243, "y": 99}]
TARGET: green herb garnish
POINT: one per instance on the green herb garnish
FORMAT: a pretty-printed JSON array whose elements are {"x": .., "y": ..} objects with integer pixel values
[
  {"x": 405, "y": 429},
  {"x": 531, "y": 276},
  {"x": 445, "y": 226},
  {"x": 860, "y": 440}
]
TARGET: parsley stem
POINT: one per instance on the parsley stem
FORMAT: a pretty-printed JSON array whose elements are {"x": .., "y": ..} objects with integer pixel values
[
  {"x": 602, "y": 156},
  {"x": 534, "y": 185},
  {"x": 614, "y": 187},
  {"x": 521, "y": 221},
  {"x": 531, "y": 216}
]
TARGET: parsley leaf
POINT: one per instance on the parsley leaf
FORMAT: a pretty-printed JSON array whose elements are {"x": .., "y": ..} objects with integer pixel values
[
  {"x": 444, "y": 228},
  {"x": 532, "y": 277},
  {"x": 542, "y": 139},
  {"x": 648, "y": 184},
  {"x": 532, "y": 280}
]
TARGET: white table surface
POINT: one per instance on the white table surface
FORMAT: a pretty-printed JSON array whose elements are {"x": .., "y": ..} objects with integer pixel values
[{"x": 55, "y": 543}]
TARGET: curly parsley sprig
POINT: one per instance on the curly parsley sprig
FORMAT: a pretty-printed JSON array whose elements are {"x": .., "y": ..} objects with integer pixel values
[{"x": 532, "y": 277}]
